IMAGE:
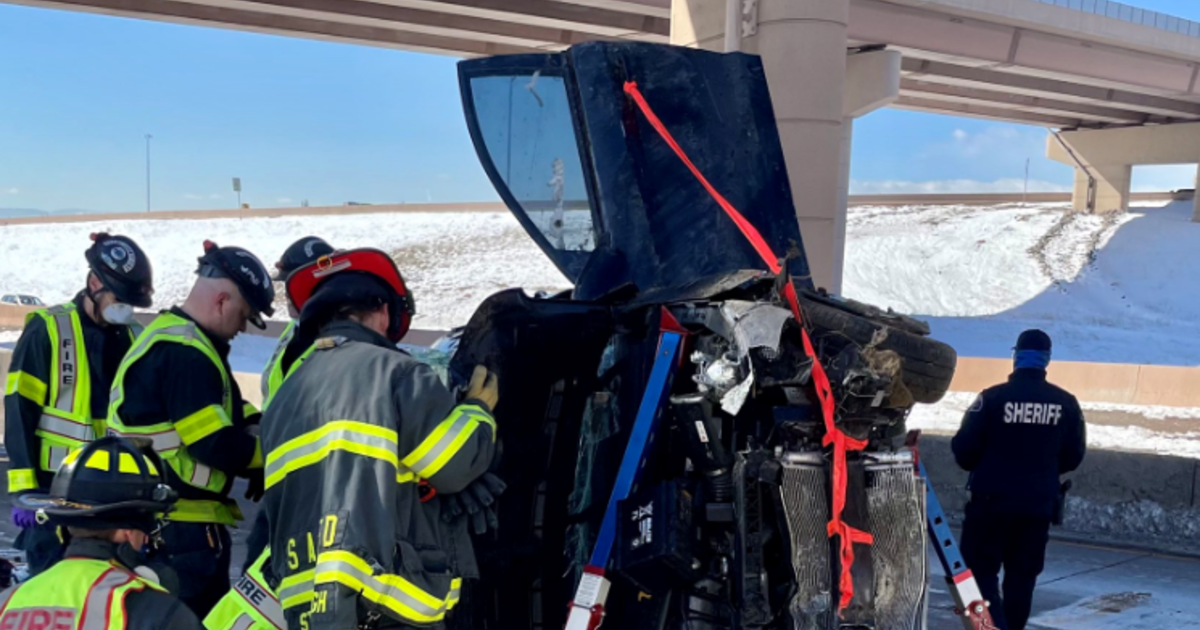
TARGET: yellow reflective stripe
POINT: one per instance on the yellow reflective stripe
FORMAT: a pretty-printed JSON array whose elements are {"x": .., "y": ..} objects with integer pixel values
[
  {"x": 53, "y": 456},
  {"x": 296, "y": 589},
  {"x": 21, "y": 479},
  {"x": 202, "y": 424},
  {"x": 163, "y": 437},
  {"x": 257, "y": 460},
  {"x": 248, "y": 409},
  {"x": 27, "y": 385},
  {"x": 444, "y": 442},
  {"x": 171, "y": 328},
  {"x": 391, "y": 591},
  {"x": 455, "y": 593},
  {"x": 100, "y": 460},
  {"x": 194, "y": 511},
  {"x": 72, "y": 456},
  {"x": 273, "y": 376},
  {"x": 359, "y": 438},
  {"x": 80, "y": 386},
  {"x": 103, "y": 599},
  {"x": 128, "y": 464},
  {"x": 274, "y": 386},
  {"x": 64, "y": 427}
]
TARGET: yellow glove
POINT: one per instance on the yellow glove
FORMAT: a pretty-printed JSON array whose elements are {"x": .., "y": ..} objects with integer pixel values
[{"x": 484, "y": 387}]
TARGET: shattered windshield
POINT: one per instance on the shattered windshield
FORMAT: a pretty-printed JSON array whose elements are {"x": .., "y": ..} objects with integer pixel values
[{"x": 525, "y": 122}]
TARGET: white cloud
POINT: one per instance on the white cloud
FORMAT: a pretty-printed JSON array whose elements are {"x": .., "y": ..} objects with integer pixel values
[
  {"x": 215, "y": 196},
  {"x": 284, "y": 200},
  {"x": 903, "y": 187},
  {"x": 960, "y": 135},
  {"x": 192, "y": 196},
  {"x": 12, "y": 191}
]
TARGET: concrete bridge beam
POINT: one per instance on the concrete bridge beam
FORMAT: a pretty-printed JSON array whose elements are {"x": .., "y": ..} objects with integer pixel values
[{"x": 1104, "y": 159}]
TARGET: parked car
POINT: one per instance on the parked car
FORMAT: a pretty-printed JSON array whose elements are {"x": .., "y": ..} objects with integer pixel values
[
  {"x": 21, "y": 300},
  {"x": 727, "y": 525}
]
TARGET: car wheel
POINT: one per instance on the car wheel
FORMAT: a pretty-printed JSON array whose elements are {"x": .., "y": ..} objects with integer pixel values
[{"x": 928, "y": 364}]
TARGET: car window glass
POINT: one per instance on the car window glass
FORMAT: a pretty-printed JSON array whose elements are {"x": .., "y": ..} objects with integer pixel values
[{"x": 525, "y": 122}]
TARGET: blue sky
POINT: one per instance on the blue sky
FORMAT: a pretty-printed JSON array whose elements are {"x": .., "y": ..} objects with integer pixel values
[{"x": 328, "y": 123}]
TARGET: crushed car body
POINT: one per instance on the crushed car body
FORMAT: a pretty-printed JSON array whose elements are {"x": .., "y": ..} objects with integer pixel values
[{"x": 729, "y": 522}]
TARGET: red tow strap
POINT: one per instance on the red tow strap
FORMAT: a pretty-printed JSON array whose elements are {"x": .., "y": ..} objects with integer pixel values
[{"x": 841, "y": 443}]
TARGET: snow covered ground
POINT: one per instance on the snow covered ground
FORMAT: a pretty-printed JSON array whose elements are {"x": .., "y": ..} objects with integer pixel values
[
  {"x": 450, "y": 260},
  {"x": 1162, "y": 430},
  {"x": 1119, "y": 289}
]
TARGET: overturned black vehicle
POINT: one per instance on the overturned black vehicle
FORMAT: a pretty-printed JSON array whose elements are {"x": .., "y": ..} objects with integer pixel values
[{"x": 678, "y": 352}]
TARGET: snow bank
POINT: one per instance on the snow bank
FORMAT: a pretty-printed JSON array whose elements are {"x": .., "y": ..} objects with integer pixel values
[
  {"x": 1118, "y": 289},
  {"x": 451, "y": 260},
  {"x": 945, "y": 417}
]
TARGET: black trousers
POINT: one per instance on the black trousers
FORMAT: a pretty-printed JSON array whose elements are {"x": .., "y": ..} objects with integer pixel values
[
  {"x": 42, "y": 547},
  {"x": 199, "y": 554},
  {"x": 995, "y": 538}
]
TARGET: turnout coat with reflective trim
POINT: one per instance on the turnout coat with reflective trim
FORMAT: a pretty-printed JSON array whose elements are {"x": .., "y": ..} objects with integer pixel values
[
  {"x": 348, "y": 436},
  {"x": 56, "y": 390},
  {"x": 175, "y": 388},
  {"x": 91, "y": 590}
]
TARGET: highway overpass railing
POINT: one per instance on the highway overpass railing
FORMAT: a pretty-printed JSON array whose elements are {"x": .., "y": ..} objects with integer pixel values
[{"x": 1135, "y": 15}]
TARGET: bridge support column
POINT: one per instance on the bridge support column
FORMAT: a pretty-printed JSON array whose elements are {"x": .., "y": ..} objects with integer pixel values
[
  {"x": 815, "y": 91},
  {"x": 1196, "y": 198},
  {"x": 1109, "y": 155},
  {"x": 1111, "y": 188}
]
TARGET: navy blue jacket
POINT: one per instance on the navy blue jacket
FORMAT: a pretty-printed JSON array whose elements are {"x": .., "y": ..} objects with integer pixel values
[{"x": 1017, "y": 438}]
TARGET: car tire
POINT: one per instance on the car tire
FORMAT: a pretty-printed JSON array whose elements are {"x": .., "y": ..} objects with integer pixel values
[{"x": 928, "y": 364}]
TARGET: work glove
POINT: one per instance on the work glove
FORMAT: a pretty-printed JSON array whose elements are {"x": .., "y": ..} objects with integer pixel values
[
  {"x": 484, "y": 387},
  {"x": 478, "y": 502},
  {"x": 257, "y": 486},
  {"x": 24, "y": 518}
]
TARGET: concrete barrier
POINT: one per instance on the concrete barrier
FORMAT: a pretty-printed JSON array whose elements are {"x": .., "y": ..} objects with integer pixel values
[
  {"x": 1127, "y": 499},
  {"x": 963, "y": 199},
  {"x": 1119, "y": 383},
  {"x": 247, "y": 213},
  {"x": 14, "y": 316}
]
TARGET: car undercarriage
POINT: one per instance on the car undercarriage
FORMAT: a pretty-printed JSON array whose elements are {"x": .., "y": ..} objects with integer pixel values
[{"x": 746, "y": 485}]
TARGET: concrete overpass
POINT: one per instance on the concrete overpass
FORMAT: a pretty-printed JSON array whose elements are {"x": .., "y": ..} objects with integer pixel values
[{"x": 1090, "y": 66}]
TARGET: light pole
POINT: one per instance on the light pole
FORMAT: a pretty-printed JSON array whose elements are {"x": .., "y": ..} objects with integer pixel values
[{"x": 148, "y": 138}]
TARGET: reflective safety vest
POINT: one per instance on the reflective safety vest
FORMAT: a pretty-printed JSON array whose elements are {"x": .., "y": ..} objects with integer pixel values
[
  {"x": 172, "y": 436},
  {"x": 273, "y": 376},
  {"x": 75, "y": 594},
  {"x": 250, "y": 605},
  {"x": 66, "y": 422}
]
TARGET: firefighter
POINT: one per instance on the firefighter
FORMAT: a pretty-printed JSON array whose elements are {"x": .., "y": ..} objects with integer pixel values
[
  {"x": 56, "y": 394},
  {"x": 294, "y": 257},
  {"x": 1016, "y": 440},
  {"x": 106, "y": 496},
  {"x": 175, "y": 387},
  {"x": 361, "y": 439}
]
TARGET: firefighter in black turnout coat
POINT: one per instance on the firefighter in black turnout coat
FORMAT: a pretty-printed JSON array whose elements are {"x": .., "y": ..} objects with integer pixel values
[
  {"x": 1016, "y": 440},
  {"x": 364, "y": 447}
]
